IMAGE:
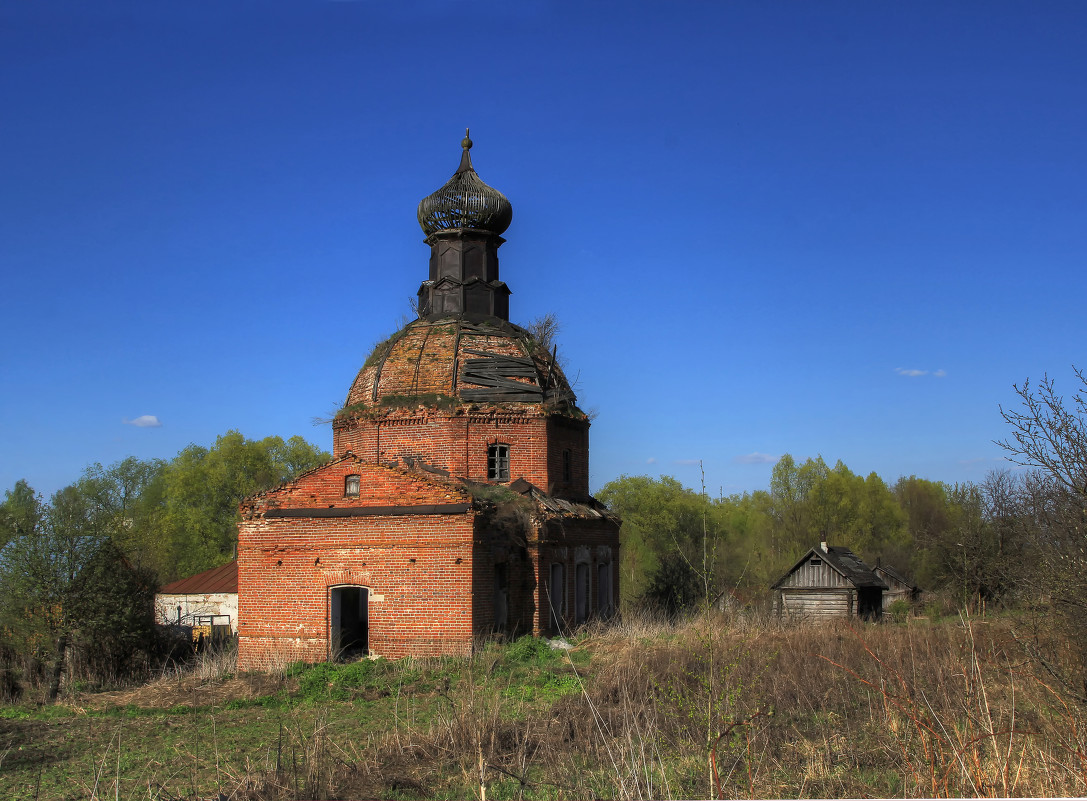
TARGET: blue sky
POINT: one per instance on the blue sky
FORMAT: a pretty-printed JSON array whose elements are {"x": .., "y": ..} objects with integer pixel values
[{"x": 836, "y": 228}]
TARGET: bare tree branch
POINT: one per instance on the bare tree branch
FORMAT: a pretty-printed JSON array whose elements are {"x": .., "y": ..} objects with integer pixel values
[{"x": 1049, "y": 434}]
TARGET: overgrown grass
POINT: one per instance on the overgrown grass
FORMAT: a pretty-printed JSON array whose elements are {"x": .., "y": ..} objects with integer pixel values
[{"x": 719, "y": 706}]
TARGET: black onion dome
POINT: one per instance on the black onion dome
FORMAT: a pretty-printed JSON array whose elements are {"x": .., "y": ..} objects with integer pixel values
[{"x": 465, "y": 202}]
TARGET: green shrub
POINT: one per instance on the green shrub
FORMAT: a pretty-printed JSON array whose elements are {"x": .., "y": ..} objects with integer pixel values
[
  {"x": 899, "y": 610},
  {"x": 331, "y": 681},
  {"x": 529, "y": 650}
]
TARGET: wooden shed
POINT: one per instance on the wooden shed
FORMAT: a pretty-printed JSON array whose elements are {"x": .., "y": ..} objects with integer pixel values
[
  {"x": 829, "y": 582},
  {"x": 899, "y": 588}
]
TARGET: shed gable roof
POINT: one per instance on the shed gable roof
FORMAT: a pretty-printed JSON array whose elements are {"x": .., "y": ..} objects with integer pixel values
[
  {"x": 844, "y": 562},
  {"x": 890, "y": 572}
]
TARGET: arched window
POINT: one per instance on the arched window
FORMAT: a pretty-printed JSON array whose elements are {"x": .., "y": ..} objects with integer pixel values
[
  {"x": 556, "y": 591},
  {"x": 581, "y": 592},
  {"x": 603, "y": 589},
  {"x": 498, "y": 462}
]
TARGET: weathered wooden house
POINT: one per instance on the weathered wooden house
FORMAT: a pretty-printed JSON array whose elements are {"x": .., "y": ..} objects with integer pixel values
[
  {"x": 899, "y": 588},
  {"x": 829, "y": 582}
]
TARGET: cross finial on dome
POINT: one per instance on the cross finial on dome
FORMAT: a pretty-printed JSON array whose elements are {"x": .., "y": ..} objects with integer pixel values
[
  {"x": 465, "y": 202},
  {"x": 465, "y": 158}
]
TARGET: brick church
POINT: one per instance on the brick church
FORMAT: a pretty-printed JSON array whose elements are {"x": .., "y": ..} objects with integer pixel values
[{"x": 457, "y": 504}]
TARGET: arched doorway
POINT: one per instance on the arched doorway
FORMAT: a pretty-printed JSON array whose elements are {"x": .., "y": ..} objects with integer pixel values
[{"x": 349, "y": 622}]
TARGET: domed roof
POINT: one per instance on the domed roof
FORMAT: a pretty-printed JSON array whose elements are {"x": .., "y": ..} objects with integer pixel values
[
  {"x": 453, "y": 361},
  {"x": 465, "y": 202}
]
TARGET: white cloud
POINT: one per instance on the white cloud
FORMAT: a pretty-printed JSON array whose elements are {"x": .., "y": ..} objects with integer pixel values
[
  {"x": 914, "y": 372},
  {"x": 143, "y": 421},
  {"x": 755, "y": 458},
  {"x": 687, "y": 461},
  {"x": 651, "y": 460}
]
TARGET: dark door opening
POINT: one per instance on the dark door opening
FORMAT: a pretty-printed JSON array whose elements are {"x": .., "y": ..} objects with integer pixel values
[
  {"x": 869, "y": 603},
  {"x": 350, "y": 619}
]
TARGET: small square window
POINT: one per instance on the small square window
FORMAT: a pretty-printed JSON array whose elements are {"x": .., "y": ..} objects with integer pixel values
[
  {"x": 498, "y": 463},
  {"x": 351, "y": 486}
]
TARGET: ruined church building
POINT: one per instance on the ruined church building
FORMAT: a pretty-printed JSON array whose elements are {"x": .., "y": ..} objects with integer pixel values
[{"x": 457, "y": 504}]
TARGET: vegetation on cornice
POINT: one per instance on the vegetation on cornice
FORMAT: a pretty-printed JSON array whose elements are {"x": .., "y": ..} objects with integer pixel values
[
  {"x": 565, "y": 408},
  {"x": 497, "y": 494},
  {"x": 390, "y": 403},
  {"x": 429, "y": 400}
]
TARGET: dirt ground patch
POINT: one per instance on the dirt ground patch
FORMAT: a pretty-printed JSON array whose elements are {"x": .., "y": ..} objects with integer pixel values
[{"x": 167, "y": 693}]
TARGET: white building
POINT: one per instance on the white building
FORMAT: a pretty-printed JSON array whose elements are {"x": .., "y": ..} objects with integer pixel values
[{"x": 205, "y": 602}]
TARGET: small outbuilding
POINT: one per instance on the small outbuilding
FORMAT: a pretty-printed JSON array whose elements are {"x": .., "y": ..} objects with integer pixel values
[
  {"x": 829, "y": 582},
  {"x": 899, "y": 587},
  {"x": 207, "y": 602}
]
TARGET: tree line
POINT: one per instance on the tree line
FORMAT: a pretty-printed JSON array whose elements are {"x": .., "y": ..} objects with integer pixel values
[
  {"x": 78, "y": 572},
  {"x": 1016, "y": 541},
  {"x": 682, "y": 548}
]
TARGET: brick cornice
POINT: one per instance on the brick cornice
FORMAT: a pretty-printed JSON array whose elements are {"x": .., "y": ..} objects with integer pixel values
[{"x": 371, "y": 511}]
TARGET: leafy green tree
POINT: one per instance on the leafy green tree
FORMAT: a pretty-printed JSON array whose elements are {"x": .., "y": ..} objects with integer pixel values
[
  {"x": 112, "y": 606},
  {"x": 884, "y": 521},
  {"x": 811, "y": 503},
  {"x": 674, "y": 586},
  {"x": 78, "y": 574},
  {"x": 20, "y": 513},
  {"x": 791, "y": 507},
  {"x": 125, "y": 499},
  {"x": 660, "y": 516},
  {"x": 746, "y": 560},
  {"x": 39, "y": 572},
  {"x": 202, "y": 487},
  {"x": 929, "y": 516},
  {"x": 67, "y": 591}
]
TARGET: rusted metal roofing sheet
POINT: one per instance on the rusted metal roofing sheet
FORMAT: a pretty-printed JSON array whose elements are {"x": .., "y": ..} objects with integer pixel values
[{"x": 218, "y": 579}]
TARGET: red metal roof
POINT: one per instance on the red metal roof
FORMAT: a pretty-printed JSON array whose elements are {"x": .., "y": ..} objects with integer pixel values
[{"x": 218, "y": 579}]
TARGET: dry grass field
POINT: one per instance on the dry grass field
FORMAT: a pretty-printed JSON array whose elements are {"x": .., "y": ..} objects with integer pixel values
[{"x": 716, "y": 707}]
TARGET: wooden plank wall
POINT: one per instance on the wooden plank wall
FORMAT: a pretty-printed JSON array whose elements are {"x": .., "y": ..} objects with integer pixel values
[
  {"x": 889, "y": 598},
  {"x": 817, "y": 605},
  {"x": 809, "y": 575}
]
